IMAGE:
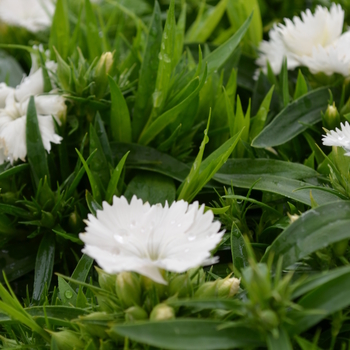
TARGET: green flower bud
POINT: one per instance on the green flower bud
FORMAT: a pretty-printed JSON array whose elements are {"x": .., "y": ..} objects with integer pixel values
[
  {"x": 331, "y": 118},
  {"x": 180, "y": 285},
  {"x": 128, "y": 289},
  {"x": 103, "y": 68},
  {"x": 67, "y": 340},
  {"x": 135, "y": 313},
  {"x": 162, "y": 312},
  {"x": 269, "y": 319},
  {"x": 228, "y": 287},
  {"x": 207, "y": 290},
  {"x": 75, "y": 222},
  {"x": 105, "y": 280},
  {"x": 96, "y": 324},
  {"x": 64, "y": 73},
  {"x": 47, "y": 219},
  {"x": 148, "y": 284}
]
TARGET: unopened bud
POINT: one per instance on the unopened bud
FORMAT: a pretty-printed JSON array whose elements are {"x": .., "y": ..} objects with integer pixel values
[
  {"x": 228, "y": 287},
  {"x": 207, "y": 290},
  {"x": 67, "y": 340},
  {"x": 339, "y": 248},
  {"x": 74, "y": 222},
  {"x": 180, "y": 285},
  {"x": 269, "y": 319},
  {"x": 96, "y": 323},
  {"x": 103, "y": 68},
  {"x": 162, "y": 312},
  {"x": 331, "y": 118},
  {"x": 128, "y": 289},
  {"x": 293, "y": 218},
  {"x": 135, "y": 313},
  {"x": 106, "y": 280}
]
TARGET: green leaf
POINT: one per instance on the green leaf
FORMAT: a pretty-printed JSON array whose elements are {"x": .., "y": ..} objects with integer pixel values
[
  {"x": 152, "y": 188},
  {"x": 36, "y": 153},
  {"x": 12, "y": 171},
  {"x": 113, "y": 183},
  {"x": 166, "y": 63},
  {"x": 259, "y": 120},
  {"x": 67, "y": 294},
  {"x": 201, "y": 31},
  {"x": 311, "y": 232},
  {"x": 148, "y": 74},
  {"x": 92, "y": 32},
  {"x": 238, "y": 248},
  {"x": 99, "y": 166},
  {"x": 180, "y": 33},
  {"x": 44, "y": 265},
  {"x": 188, "y": 334},
  {"x": 284, "y": 83},
  {"x": 170, "y": 116},
  {"x": 94, "y": 186},
  {"x": 82, "y": 269},
  {"x": 282, "y": 341},
  {"x": 120, "y": 116},
  {"x": 92, "y": 204},
  {"x": 11, "y": 72},
  {"x": 102, "y": 135},
  {"x": 273, "y": 176},
  {"x": 60, "y": 34},
  {"x": 327, "y": 299},
  {"x": 301, "y": 86},
  {"x": 219, "y": 56},
  {"x": 293, "y": 119}
]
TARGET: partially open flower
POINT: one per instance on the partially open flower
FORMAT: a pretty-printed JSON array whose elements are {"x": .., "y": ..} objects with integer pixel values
[
  {"x": 147, "y": 239},
  {"x": 340, "y": 138}
]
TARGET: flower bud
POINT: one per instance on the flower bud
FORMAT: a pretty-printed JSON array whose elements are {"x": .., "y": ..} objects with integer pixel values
[
  {"x": 47, "y": 219},
  {"x": 162, "y": 312},
  {"x": 269, "y": 319},
  {"x": 135, "y": 313},
  {"x": 96, "y": 324},
  {"x": 64, "y": 73},
  {"x": 128, "y": 289},
  {"x": 67, "y": 340},
  {"x": 105, "y": 280},
  {"x": 228, "y": 287},
  {"x": 293, "y": 218},
  {"x": 207, "y": 290},
  {"x": 103, "y": 68},
  {"x": 180, "y": 285},
  {"x": 331, "y": 118}
]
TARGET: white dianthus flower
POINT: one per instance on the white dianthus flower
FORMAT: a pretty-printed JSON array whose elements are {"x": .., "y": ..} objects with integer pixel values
[
  {"x": 33, "y": 15},
  {"x": 339, "y": 138},
  {"x": 314, "y": 40},
  {"x": 146, "y": 239}
]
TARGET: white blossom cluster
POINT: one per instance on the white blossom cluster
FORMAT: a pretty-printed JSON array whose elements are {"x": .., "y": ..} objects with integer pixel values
[
  {"x": 13, "y": 113},
  {"x": 314, "y": 40}
]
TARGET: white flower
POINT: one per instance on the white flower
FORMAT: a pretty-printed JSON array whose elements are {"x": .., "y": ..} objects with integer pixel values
[
  {"x": 314, "y": 40},
  {"x": 340, "y": 138},
  {"x": 13, "y": 127},
  {"x": 33, "y": 15},
  {"x": 146, "y": 239}
]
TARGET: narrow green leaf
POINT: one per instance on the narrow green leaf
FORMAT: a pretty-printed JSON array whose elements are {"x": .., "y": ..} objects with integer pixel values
[
  {"x": 284, "y": 83},
  {"x": 238, "y": 248},
  {"x": 67, "y": 294},
  {"x": 36, "y": 153},
  {"x": 219, "y": 56},
  {"x": 311, "y": 232},
  {"x": 113, "y": 183},
  {"x": 13, "y": 170},
  {"x": 92, "y": 32},
  {"x": 180, "y": 33},
  {"x": 120, "y": 116},
  {"x": 200, "y": 32},
  {"x": 188, "y": 334},
  {"x": 259, "y": 120},
  {"x": 60, "y": 34},
  {"x": 148, "y": 74},
  {"x": 170, "y": 115},
  {"x": 44, "y": 265},
  {"x": 94, "y": 186},
  {"x": 92, "y": 204},
  {"x": 82, "y": 269},
  {"x": 102, "y": 135},
  {"x": 293, "y": 119},
  {"x": 301, "y": 86}
]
